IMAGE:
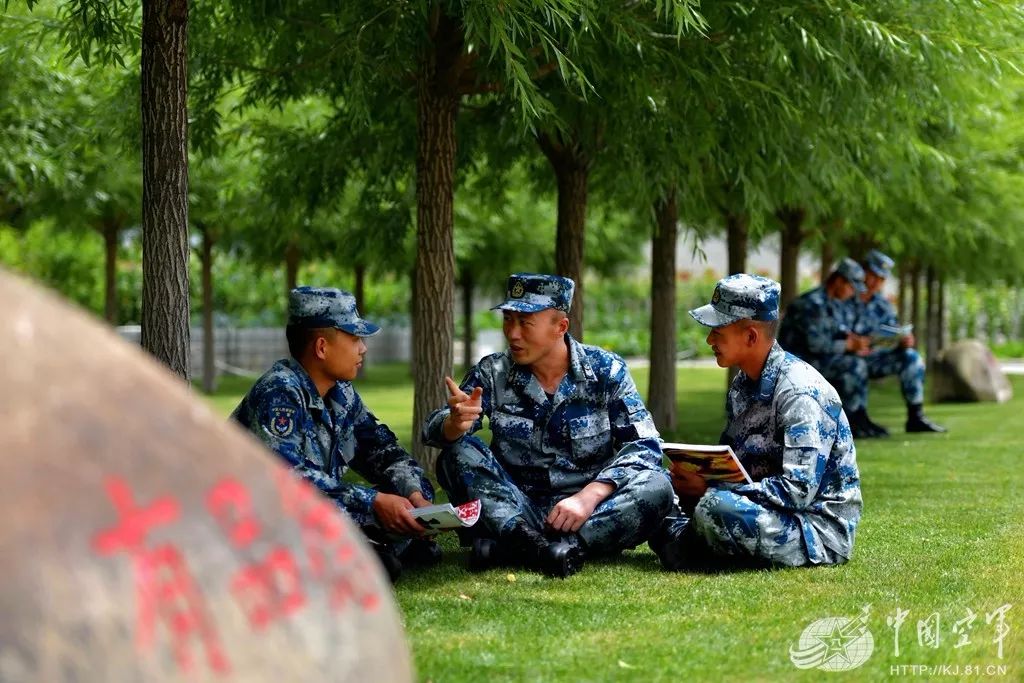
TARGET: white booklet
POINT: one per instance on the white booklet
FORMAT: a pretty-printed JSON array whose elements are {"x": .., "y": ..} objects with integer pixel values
[
  {"x": 889, "y": 337},
  {"x": 713, "y": 462},
  {"x": 438, "y": 518}
]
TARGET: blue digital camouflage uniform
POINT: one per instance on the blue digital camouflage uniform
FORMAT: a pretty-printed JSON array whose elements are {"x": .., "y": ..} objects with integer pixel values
[
  {"x": 815, "y": 328},
  {"x": 594, "y": 428},
  {"x": 789, "y": 430},
  {"x": 867, "y": 319},
  {"x": 322, "y": 437}
]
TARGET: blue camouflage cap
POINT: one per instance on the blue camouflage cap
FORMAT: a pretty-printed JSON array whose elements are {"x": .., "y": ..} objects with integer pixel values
[
  {"x": 740, "y": 297},
  {"x": 531, "y": 292},
  {"x": 327, "y": 307},
  {"x": 878, "y": 263},
  {"x": 853, "y": 273}
]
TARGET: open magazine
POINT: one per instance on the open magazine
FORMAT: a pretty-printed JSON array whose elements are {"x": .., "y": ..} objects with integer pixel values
[
  {"x": 711, "y": 462},
  {"x": 446, "y": 516},
  {"x": 889, "y": 336}
]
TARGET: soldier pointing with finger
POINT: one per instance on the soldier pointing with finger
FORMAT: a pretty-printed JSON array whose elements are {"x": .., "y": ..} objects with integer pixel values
[{"x": 574, "y": 467}]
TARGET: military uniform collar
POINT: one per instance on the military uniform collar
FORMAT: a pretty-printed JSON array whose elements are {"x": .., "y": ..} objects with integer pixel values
[
  {"x": 313, "y": 398},
  {"x": 764, "y": 388}
]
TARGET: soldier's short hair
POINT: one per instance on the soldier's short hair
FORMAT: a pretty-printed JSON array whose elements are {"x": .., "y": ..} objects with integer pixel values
[{"x": 300, "y": 338}]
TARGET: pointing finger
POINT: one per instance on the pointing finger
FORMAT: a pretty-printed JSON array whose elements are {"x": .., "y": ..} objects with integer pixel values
[{"x": 454, "y": 389}]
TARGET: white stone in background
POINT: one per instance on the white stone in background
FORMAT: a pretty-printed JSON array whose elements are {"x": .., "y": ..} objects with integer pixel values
[{"x": 967, "y": 371}]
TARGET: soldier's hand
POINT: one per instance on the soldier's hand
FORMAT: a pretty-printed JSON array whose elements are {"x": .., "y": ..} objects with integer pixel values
[
  {"x": 418, "y": 499},
  {"x": 569, "y": 514},
  {"x": 858, "y": 344},
  {"x": 908, "y": 342},
  {"x": 465, "y": 410},
  {"x": 392, "y": 513}
]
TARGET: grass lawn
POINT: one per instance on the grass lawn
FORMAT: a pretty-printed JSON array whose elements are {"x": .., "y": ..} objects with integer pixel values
[{"x": 942, "y": 532}]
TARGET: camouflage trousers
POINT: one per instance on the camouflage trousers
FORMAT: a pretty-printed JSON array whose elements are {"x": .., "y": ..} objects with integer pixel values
[
  {"x": 734, "y": 526},
  {"x": 849, "y": 374},
  {"x": 468, "y": 470}
]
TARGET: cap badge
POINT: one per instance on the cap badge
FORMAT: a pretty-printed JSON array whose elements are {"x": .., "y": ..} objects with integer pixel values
[
  {"x": 518, "y": 290},
  {"x": 716, "y": 297}
]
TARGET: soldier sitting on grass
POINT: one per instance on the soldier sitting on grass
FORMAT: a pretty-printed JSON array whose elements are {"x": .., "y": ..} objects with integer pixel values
[
  {"x": 306, "y": 410},
  {"x": 574, "y": 465},
  {"x": 787, "y": 426}
]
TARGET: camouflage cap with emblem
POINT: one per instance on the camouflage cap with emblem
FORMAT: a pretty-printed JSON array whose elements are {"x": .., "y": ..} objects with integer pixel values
[
  {"x": 740, "y": 297},
  {"x": 327, "y": 307},
  {"x": 878, "y": 263},
  {"x": 532, "y": 292},
  {"x": 851, "y": 271}
]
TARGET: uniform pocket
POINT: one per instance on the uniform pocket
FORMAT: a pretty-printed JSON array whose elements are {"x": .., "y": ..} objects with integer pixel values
[{"x": 591, "y": 438}]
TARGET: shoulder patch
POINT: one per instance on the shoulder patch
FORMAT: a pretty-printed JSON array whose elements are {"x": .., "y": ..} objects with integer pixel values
[{"x": 282, "y": 420}]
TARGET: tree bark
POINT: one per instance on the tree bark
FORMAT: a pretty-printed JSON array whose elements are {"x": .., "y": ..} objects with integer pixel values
[
  {"x": 828, "y": 257},
  {"x": 360, "y": 288},
  {"x": 931, "y": 316},
  {"x": 209, "y": 355},
  {"x": 901, "y": 302},
  {"x": 737, "y": 231},
  {"x": 292, "y": 256},
  {"x": 468, "y": 287},
  {"x": 433, "y": 305},
  {"x": 661, "y": 394},
  {"x": 165, "y": 301},
  {"x": 571, "y": 165},
  {"x": 940, "y": 314},
  {"x": 915, "y": 301},
  {"x": 111, "y": 230},
  {"x": 792, "y": 235}
]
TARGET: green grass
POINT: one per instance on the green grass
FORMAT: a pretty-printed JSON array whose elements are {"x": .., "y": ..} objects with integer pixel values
[{"x": 942, "y": 531}]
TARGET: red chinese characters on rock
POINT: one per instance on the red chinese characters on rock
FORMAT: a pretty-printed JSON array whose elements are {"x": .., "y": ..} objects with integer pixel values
[
  {"x": 165, "y": 590},
  {"x": 329, "y": 549},
  {"x": 267, "y": 590}
]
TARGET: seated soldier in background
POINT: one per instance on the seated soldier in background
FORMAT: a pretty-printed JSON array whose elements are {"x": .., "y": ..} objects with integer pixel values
[
  {"x": 574, "y": 467},
  {"x": 817, "y": 328},
  {"x": 871, "y": 312},
  {"x": 306, "y": 410},
  {"x": 786, "y": 425}
]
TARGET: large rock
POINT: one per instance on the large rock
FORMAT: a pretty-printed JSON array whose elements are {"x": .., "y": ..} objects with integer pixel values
[
  {"x": 144, "y": 539},
  {"x": 967, "y": 371}
]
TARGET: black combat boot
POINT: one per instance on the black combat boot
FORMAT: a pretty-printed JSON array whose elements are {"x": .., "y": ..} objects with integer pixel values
[
  {"x": 392, "y": 565},
  {"x": 522, "y": 545},
  {"x": 878, "y": 429},
  {"x": 860, "y": 425},
  {"x": 421, "y": 552},
  {"x": 917, "y": 422},
  {"x": 674, "y": 543}
]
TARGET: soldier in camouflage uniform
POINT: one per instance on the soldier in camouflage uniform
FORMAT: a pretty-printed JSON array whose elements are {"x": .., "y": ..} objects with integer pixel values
[
  {"x": 871, "y": 314},
  {"x": 818, "y": 327},
  {"x": 786, "y": 424},
  {"x": 306, "y": 410},
  {"x": 574, "y": 466}
]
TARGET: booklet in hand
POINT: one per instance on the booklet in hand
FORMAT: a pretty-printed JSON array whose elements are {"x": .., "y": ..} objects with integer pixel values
[
  {"x": 711, "y": 462},
  {"x": 888, "y": 336},
  {"x": 438, "y": 518}
]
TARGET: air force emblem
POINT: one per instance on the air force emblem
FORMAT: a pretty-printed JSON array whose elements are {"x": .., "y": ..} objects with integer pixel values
[
  {"x": 518, "y": 290},
  {"x": 282, "y": 420}
]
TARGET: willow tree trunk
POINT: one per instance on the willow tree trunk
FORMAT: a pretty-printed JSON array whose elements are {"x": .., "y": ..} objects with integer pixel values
[
  {"x": 737, "y": 231},
  {"x": 165, "y": 304},
  {"x": 737, "y": 234},
  {"x": 292, "y": 256},
  {"x": 110, "y": 233},
  {"x": 360, "y": 288},
  {"x": 433, "y": 306},
  {"x": 661, "y": 394},
  {"x": 791, "y": 236},
  {"x": 931, "y": 316},
  {"x": 571, "y": 165},
  {"x": 468, "y": 287},
  {"x": 915, "y": 302},
  {"x": 901, "y": 297},
  {"x": 206, "y": 281}
]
